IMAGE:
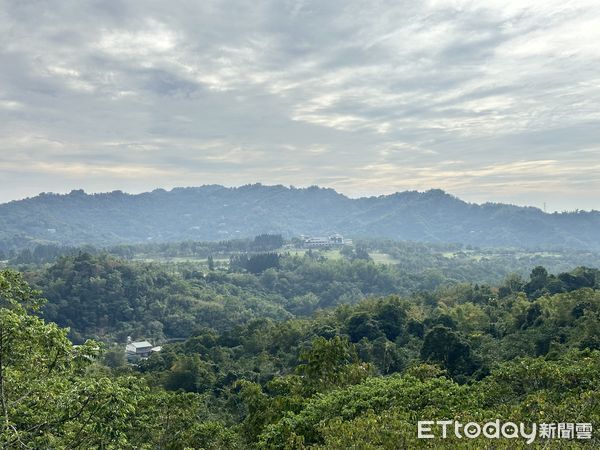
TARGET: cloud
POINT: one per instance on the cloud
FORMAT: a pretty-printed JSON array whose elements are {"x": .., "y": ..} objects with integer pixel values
[{"x": 490, "y": 100}]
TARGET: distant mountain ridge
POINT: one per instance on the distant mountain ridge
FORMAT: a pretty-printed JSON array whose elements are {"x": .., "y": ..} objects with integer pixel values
[{"x": 214, "y": 212}]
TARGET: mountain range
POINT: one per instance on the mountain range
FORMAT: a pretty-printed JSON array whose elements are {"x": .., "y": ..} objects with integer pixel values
[{"x": 214, "y": 212}]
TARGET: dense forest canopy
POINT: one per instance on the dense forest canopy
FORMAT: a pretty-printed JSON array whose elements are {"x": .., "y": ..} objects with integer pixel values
[
  {"x": 350, "y": 375},
  {"x": 165, "y": 291},
  {"x": 260, "y": 343},
  {"x": 216, "y": 213}
]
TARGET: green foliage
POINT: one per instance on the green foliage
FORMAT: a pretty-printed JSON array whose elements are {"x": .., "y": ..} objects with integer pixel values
[
  {"x": 47, "y": 398},
  {"x": 251, "y": 375},
  {"x": 191, "y": 374},
  {"x": 443, "y": 346},
  {"x": 382, "y": 412},
  {"x": 110, "y": 299},
  {"x": 541, "y": 283},
  {"x": 386, "y": 335},
  {"x": 255, "y": 264},
  {"x": 266, "y": 242},
  {"x": 173, "y": 421},
  {"x": 55, "y": 395},
  {"x": 330, "y": 363}
]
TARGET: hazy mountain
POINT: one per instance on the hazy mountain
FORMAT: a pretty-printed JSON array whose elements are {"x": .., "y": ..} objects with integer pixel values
[{"x": 215, "y": 213}]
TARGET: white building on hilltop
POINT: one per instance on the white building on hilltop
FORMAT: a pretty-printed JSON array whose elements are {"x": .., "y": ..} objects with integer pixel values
[{"x": 335, "y": 240}]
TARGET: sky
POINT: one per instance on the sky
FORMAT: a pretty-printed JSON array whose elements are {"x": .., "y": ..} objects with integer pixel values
[{"x": 489, "y": 100}]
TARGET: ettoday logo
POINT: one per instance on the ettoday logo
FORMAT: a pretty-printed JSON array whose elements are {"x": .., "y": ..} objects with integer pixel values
[{"x": 442, "y": 429}]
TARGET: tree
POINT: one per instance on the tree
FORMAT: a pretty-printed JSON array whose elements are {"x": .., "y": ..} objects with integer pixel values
[
  {"x": 266, "y": 242},
  {"x": 443, "y": 345},
  {"x": 115, "y": 358},
  {"x": 191, "y": 374},
  {"x": 361, "y": 253},
  {"x": 48, "y": 398},
  {"x": 512, "y": 284},
  {"x": 391, "y": 317},
  {"x": 330, "y": 363},
  {"x": 259, "y": 263},
  {"x": 537, "y": 281},
  {"x": 361, "y": 325}
]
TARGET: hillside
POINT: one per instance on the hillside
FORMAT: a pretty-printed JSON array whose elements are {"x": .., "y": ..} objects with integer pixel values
[{"x": 215, "y": 212}]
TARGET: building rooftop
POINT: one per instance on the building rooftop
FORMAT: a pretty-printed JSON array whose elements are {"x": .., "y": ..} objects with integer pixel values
[{"x": 141, "y": 344}]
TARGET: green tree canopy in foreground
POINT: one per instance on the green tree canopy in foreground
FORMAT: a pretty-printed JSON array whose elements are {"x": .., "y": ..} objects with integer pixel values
[
  {"x": 54, "y": 395},
  {"x": 359, "y": 376},
  {"x": 48, "y": 397}
]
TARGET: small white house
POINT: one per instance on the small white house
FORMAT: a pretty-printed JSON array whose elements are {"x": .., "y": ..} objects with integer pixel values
[{"x": 140, "y": 349}]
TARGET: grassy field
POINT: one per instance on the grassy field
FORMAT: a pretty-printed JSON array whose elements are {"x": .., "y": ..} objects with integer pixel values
[
  {"x": 222, "y": 262},
  {"x": 378, "y": 257},
  {"x": 382, "y": 258},
  {"x": 333, "y": 254}
]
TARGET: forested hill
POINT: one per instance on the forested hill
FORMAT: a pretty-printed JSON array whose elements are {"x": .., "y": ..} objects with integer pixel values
[{"x": 216, "y": 213}]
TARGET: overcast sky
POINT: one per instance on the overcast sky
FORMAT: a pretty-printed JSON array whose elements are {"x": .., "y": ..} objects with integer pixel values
[{"x": 488, "y": 100}]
